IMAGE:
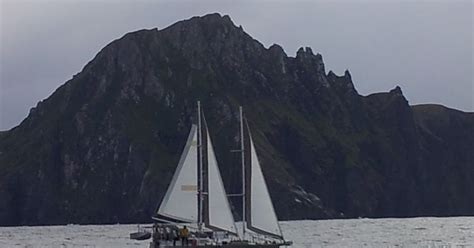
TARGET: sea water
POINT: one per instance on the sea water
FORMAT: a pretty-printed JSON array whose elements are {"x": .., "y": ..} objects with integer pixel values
[{"x": 403, "y": 232}]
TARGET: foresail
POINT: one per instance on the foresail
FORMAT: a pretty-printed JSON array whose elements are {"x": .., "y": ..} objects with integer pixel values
[
  {"x": 180, "y": 201},
  {"x": 219, "y": 212},
  {"x": 260, "y": 214}
]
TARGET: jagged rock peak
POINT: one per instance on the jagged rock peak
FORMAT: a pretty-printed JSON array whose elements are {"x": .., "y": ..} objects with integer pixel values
[
  {"x": 307, "y": 52},
  {"x": 345, "y": 80},
  {"x": 397, "y": 91},
  {"x": 277, "y": 50},
  {"x": 307, "y": 57},
  {"x": 212, "y": 30},
  {"x": 276, "y": 47},
  {"x": 347, "y": 74},
  {"x": 212, "y": 21},
  {"x": 212, "y": 18}
]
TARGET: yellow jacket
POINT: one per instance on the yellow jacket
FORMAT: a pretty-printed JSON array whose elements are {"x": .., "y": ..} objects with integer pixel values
[{"x": 183, "y": 232}]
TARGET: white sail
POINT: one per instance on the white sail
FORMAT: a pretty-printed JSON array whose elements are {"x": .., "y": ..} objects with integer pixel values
[
  {"x": 180, "y": 201},
  {"x": 262, "y": 214},
  {"x": 219, "y": 214}
]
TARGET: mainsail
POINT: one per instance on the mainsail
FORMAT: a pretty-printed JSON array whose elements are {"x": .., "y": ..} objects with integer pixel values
[
  {"x": 181, "y": 198},
  {"x": 216, "y": 209},
  {"x": 259, "y": 212},
  {"x": 219, "y": 215}
]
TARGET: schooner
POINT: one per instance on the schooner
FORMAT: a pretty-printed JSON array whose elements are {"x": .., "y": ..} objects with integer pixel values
[{"x": 196, "y": 198}]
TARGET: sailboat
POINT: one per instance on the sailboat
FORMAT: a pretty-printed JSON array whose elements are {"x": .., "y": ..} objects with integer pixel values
[{"x": 196, "y": 198}]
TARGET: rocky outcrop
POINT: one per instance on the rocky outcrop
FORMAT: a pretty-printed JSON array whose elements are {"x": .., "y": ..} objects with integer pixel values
[{"x": 103, "y": 147}]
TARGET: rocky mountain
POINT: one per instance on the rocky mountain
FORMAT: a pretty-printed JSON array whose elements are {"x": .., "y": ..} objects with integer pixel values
[{"x": 103, "y": 147}]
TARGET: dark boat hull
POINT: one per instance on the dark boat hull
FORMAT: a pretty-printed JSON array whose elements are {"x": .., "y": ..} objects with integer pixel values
[
  {"x": 223, "y": 246},
  {"x": 235, "y": 245},
  {"x": 140, "y": 235}
]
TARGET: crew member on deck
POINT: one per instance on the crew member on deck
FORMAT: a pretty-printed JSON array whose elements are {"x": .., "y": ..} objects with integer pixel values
[
  {"x": 175, "y": 233},
  {"x": 183, "y": 234}
]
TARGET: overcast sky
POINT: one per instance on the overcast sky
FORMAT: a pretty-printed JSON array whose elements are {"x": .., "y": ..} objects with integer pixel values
[{"x": 426, "y": 47}]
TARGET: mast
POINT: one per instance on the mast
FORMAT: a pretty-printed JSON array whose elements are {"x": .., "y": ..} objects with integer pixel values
[
  {"x": 200, "y": 195},
  {"x": 243, "y": 169}
]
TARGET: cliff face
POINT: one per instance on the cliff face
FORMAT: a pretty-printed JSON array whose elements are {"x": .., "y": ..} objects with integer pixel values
[{"x": 103, "y": 147}]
